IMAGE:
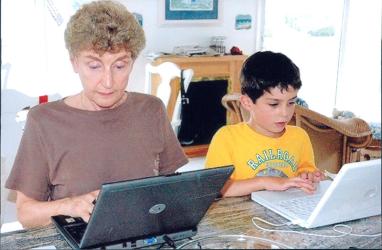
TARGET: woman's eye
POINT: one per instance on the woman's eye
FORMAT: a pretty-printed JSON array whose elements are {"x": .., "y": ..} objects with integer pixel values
[
  {"x": 120, "y": 65},
  {"x": 292, "y": 103},
  {"x": 94, "y": 66},
  {"x": 273, "y": 104}
]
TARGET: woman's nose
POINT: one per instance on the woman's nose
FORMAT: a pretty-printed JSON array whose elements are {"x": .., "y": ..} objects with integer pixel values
[{"x": 108, "y": 80}]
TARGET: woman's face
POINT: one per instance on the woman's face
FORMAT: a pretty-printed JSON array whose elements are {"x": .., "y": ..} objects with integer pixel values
[{"x": 104, "y": 78}]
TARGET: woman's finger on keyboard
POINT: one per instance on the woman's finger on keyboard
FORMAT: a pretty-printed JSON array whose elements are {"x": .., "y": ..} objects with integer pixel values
[{"x": 85, "y": 217}]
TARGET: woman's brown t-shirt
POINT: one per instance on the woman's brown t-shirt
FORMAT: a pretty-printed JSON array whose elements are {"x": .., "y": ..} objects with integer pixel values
[{"x": 65, "y": 151}]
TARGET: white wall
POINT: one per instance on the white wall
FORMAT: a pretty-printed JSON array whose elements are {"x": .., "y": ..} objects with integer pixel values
[
  {"x": 164, "y": 37},
  {"x": 33, "y": 73}
]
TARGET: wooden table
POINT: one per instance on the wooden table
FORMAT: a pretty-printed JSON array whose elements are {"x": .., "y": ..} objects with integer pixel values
[{"x": 230, "y": 216}]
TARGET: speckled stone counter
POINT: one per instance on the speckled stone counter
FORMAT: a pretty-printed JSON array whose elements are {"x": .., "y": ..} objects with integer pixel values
[{"x": 222, "y": 226}]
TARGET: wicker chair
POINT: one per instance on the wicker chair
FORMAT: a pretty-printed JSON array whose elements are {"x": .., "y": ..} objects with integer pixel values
[{"x": 335, "y": 142}]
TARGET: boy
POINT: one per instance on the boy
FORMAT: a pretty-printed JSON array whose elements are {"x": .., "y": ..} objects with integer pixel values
[{"x": 265, "y": 148}]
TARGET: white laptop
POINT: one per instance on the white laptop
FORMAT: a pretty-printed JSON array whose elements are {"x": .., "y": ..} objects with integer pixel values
[{"x": 354, "y": 193}]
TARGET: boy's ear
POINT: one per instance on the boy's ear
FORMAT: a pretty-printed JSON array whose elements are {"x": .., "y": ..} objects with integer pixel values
[{"x": 246, "y": 102}]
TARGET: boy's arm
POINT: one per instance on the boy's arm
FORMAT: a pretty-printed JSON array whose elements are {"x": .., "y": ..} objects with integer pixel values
[{"x": 246, "y": 187}]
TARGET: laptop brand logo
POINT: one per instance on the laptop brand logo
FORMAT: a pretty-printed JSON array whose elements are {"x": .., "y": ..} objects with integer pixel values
[{"x": 158, "y": 208}]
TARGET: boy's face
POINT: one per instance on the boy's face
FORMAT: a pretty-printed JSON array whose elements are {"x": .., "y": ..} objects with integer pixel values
[{"x": 272, "y": 111}]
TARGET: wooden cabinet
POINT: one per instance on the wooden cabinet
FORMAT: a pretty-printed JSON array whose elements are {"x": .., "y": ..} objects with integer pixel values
[
  {"x": 210, "y": 66},
  {"x": 204, "y": 66}
]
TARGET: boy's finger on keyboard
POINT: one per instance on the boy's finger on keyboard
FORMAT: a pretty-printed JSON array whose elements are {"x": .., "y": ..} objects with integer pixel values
[
  {"x": 307, "y": 185},
  {"x": 305, "y": 182},
  {"x": 304, "y": 175},
  {"x": 307, "y": 190}
]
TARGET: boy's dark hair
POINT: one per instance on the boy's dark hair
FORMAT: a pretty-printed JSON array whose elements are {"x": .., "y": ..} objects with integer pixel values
[{"x": 265, "y": 70}]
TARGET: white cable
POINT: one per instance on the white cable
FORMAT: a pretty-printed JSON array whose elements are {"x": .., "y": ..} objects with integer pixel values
[
  {"x": 342, "y": 233},
  {"x": 334, "y": 228},
  {"x": 354, "y": 234},
  {"x": 272, "y": 224}
]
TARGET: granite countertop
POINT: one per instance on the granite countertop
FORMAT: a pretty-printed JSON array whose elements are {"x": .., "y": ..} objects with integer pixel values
[{"x": 227, "y": 224}]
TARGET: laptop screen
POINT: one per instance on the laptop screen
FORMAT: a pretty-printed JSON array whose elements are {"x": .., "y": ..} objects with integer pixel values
[{"x": 149, "y": 207}]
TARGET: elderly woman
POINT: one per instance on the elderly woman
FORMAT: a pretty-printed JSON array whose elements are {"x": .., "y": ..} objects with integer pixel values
[{"x": 102, "y": 134}]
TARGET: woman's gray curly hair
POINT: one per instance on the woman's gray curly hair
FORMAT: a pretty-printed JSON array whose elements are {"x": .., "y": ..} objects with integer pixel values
[{"x": 104, "y": 26}]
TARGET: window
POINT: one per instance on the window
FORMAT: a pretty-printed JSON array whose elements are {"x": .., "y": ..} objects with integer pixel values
[
  {"x": 33, "y": 45},
  {"x": 336, "y": 45},
  {"x": 359, "y": 77}
]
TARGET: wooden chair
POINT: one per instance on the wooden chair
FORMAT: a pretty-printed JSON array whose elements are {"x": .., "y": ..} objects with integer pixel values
[
  {"x": 163, "y": 81},
  {"x": 335, "y": 142}
]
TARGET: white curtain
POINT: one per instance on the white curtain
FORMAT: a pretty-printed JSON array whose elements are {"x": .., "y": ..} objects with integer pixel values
[{"x": 359, "y": 81}]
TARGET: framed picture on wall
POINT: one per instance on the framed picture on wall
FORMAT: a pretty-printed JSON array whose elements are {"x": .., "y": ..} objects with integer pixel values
[{"x": 191, "y": 12}]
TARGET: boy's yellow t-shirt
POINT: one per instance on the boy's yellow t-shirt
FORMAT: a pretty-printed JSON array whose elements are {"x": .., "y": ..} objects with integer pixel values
[{"x": 254, "y": 154}]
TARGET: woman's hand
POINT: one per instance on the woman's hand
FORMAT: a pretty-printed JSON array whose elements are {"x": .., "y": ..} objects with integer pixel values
[
  {"x": 33, "y": 213},
  {"x": 79, "y": 206}
]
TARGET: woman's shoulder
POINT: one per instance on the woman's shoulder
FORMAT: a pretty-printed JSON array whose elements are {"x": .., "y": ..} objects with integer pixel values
[
  {"x": 141, "y": 98},
  {"x": 41, "y": 109}
]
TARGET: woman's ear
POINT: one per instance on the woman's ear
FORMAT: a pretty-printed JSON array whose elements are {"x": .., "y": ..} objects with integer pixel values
[
  {"x": 246, "y": 102},
  {"x": 74, "y": 62}
]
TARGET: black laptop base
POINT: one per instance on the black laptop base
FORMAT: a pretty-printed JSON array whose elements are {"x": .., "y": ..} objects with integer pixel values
[{"x": 154, "y": 240}]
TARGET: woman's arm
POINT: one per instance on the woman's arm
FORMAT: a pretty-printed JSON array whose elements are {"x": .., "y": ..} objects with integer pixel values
[
  {"x": 33, "y": 213},
  {"x": 246, "y": 187}
]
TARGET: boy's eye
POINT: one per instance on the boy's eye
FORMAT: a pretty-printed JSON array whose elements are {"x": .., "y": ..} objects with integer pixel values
[
  {"x": 292, "y": 102},
  {"x": 273, "y": 104}
]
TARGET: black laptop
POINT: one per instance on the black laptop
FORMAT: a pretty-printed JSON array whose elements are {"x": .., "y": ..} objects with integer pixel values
[{"x": 148, "y": 211}]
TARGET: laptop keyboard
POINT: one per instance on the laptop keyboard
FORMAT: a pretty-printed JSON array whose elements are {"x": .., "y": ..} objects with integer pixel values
[
  {"x": 302, "y": 206},
  {"x": 76, "y": 231}
]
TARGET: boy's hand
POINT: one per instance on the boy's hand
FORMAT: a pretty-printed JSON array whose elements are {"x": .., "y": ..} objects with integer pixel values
[
  {"x": 281, "y": 184},
  {"x": 315, "y": 176}
]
